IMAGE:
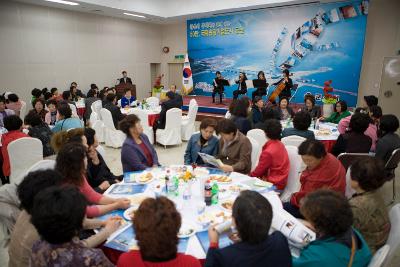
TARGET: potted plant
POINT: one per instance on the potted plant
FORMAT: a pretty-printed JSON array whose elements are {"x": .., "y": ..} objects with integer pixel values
[{"x": 328, "y": 100}]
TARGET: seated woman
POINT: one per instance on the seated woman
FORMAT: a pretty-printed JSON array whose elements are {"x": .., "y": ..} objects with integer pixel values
[
  {"x": 71, "y": 163},
  {"x": 156, "y": 225},
  {"x": 58, "y": 214},
  {"x": 371, "y": 216},
  {"x": 340, "y": 112},
  {"x": 337, "y": 243},
  {"x": 234, "y": 148},
  {"x": 137, "y": 152},
  {"x": 61, "y": 138},
  {"x": 313, "y": 110},
  {"x": 388, "y": 140},
  {"x": 14, "y": 103},
  {"x": 301, "y": 123},
  {"x": 51, "y": 116},
  {"x": 257, "y": 110},
  {"x": 127, "y": 99},
  {"x": 204, "y": 142},
  {"x": 273, "y": 165},
  {"x": 240, "y": 115},
  {"x": 38, "y": 108},
  {"x": 369, "y": 101},
  {"x": 354, "y": 141},
  {"x": 66, "y": 121},
  {"x": 284, "y": 111},
  {"x": 322, "y": 170},
  {"x": 40, "y": 130},
  {"x": 252, "y": 217},
  {"x": 91, "y": 98},
  {"x": 98, "y": 174}
]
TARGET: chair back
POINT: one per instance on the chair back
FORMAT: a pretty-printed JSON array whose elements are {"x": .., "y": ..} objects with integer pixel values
[
  {"x": 107, "y": 118},
  {"x": 173, "y": 119},
  {"x": 96, "y": 106},
  {"x": 143, "y": 116},
  {"x": 101, "y": 151},
  {"x": 74, "y": 110},
  {"x": 255, "y": 152},
  {"x": 22, "y": 111},
  {"x": 293, "y": 140},
  {"x": 153, "y": 101},
  {"x": 119, "y": 103},
  {"x": 293, "y": 182},
  {"x": 347, "y": 159},
  {"x": 379, "y": 256},
  {"x": 45, "y": 164},
  {"x": 192, "y": 102},
  {"x": 394, "y": 235},
  {"x": 392, "y": 164},
  {"x": 258, "y": 135},
  {"x": 23, "y": 153},
  {"x": 349, "y": 190},
  {"x": 192, "y": 113}
]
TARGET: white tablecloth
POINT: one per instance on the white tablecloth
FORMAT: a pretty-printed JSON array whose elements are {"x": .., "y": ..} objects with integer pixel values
[
  {"x": 324, "y": 127},
  {"x": 149, "y": 111}
]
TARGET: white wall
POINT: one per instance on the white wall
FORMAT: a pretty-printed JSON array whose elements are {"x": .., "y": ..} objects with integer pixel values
[{"x": 46, "y": 47}]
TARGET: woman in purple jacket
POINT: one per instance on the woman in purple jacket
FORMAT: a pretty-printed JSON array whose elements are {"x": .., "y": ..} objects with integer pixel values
[{"x": 137, "y": 153}]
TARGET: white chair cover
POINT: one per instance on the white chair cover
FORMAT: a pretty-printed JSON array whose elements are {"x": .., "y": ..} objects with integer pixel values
[
  {"x": 293, "y": 183},
  {"x": 153, "y": 101},
  {"x": 394, "y": 235},
  {"x": 188, "y": 123},
  {"x": 144, "y": 121},
  {"x": 293, "y": 140},
  {"x": 349, "y": 191},
  {"x": 74, "y": 110},
  {"x": 171, "y": 135},
  {"x": 101, "y": 151},
  {"x": 45, "y": 164},
  {"x": 119, "y": 103},
  {"x": 255, "y": 152},
  {"x": 379, "y": 256},
  {"x": 228, "y": 115},
  {"x": 97, "y": 125},
  {"x": 22, "y": 112},
  {"x": 258, "y": 135},
  {"x": 96, "y": 106},
  {"x": 112, "y": 137},
  {"x": 23, "y": 153}
]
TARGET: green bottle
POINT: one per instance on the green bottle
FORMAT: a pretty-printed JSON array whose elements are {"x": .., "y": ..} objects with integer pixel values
[
  {"x": 214, "y": 194},
  {"x": 176, "y": 185}
]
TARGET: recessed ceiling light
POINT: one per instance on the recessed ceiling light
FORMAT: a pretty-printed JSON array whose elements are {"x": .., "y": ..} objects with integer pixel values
[
  {"x": 134, "y": 15},
  {"x": 63, "y": 2}
]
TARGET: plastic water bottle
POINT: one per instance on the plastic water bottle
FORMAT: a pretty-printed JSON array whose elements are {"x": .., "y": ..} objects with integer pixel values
[
  {"x": 317, "y": 125},
  {"x": 186, "y": 193},
  {"x": 214, "y": 194}
]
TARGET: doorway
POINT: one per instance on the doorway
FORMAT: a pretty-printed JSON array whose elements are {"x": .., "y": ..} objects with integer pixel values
[{"x": 175, "y": 75}]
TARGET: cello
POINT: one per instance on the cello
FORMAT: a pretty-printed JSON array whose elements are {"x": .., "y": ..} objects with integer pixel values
[{"x": 278, "y": 89}]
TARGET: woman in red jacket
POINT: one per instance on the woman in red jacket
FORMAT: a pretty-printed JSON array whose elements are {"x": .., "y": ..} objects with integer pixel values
[
  {"x": 273, "y": 165},
  {"x": 323, "y": 171},
  {"x": 156, "y": 226}
]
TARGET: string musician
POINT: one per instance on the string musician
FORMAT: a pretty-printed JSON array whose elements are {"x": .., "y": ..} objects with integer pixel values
[{"x": 284, "y": 87}]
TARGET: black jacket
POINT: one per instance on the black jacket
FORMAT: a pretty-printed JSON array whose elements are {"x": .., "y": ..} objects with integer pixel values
[
  {"x": 115, "y": 112},
  {"x": 273, "y": 251},
  {"x": 352, "y": 142},
  {"x": 165, "y": 106},
  {"x": 286, "y": 92},
  {"x": 97, "y": 174},
  {"x": 122, "y": 80}
]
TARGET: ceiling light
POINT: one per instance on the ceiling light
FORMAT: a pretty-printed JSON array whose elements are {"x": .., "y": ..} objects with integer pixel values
[
  {"x": 63, "y": 2},
  {"x": 134, "y": 15}
]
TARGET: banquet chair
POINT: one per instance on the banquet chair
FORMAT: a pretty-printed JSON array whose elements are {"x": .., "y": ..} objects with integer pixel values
[
  {"x": 119, "y": 103},
  {"x": 379, "y": 257},
  {"x": 394, "y": 234},
  {"x": 112, "y": 137},
  {"x": 23, "y": 153},
  {"x": 101, "y": 151},
  {"x": 153, "y": 101},
  {"x": 191, "y": 103},
  {"x": 144, "y": 121},
  {"x": 171, "y": 134},
  {"x": 349, "y": 191},
  {"x": 97, "y": 125},
  {"x": 255, "y": 152},
  {"x": 258, "y": 135},
  {"x": 96, "y": 106},
  {"x": 45, "y": 164},
  {"x": 22, "y": 112},
  {"x": 390, "y": 167},
  {"x": 293, "y": 140},
  {"x": 74, "y": 110},
  {"x": 293, "y": 181},
  {"x": 347, "y": 159},
  {"x": 188, "y": 122}
]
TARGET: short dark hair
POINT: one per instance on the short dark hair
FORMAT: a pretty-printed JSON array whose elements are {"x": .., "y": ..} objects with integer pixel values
[
  {"x": 65, "y": 110},
  {"x": 369, "y": 172},
  {"x": 218, "y": 72},
  {"x": 312, "y": 148},
  {"x": 170, "y": 95},
  {"x": 33, "y": 183},
  {"x": 361, "y": 110},
  {"x": 283, "y": 98},
  {"x": 53, "y": 90},
  {"x": 110, "y": 97},
  {"x": 272, "y": 129},
  {"x": 269, "y": 113},
  {"x": 286, "y": 71},
  {"x": 13, "y": 97},
  {"x": 2, "y": 99},
  {"x": 376, "y": 111},
  {"x": 301, "y": 120},
  {"x": 127, "y": 90},
  {"x": 47, "y": 96},
  {"x": 124, "y": 71},
  {"x": 260, "y": 73},
  {"x": 226, "y": 126},
  {"x": 33, "y": 119},
  {"x": 66, "y": 95},
  {"x": 91, "y": 93},
  {"x": 126, "y": 123},
  {"x": 359, "y": 122},
  {"x": 38, "y": 100},
  {"x": 309, "y": 97},
  {"x": 343, "y": 105},
  {"x": 93, "y": 86},
  {"x": 70, "y": 163},
  {"x": 58, "y": 213},
  {"x": 389, "y": 123},
  {"x": 90, "y": 133},
  {"x": 328, "y": 211},
  {"x": 256, "y": 99},
  {"x": 253, "y": 216},
  {"x": 208, "y": 122},
  {"x": 36, "y": 92},
  {"x": 72, "y": 88},
  {"x": 74, "y": 83},
  {"x": 371, "y": 100},
  {"x": 12, "y": 123},
  {"x": 51, "y": 102},
  {"x": 240, "y": 109}
]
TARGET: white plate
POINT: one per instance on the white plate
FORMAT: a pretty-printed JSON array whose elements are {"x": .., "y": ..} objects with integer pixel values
[
  {"x": 128, "y": 211},
  {"x": 187, "y": 227},
  {"x": 137, "y": 178},
  {"x": 225, "y": 209},
  {"x": 220, "y": 182}
]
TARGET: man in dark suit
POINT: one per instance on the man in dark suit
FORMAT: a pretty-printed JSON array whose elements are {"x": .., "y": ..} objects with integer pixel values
[
  {"x": 110, "y": 104},
  {"x": 125, "y": 79},
  {"x": 178, "y": 100}
]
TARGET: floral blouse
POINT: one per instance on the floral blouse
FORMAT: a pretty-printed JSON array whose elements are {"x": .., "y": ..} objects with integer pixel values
[{"x": 73, "y": 253}]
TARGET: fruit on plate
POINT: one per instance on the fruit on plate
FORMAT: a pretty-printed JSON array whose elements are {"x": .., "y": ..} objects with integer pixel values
[
  {"x": 145, "y": 177},
  {"x": 221, "y": 178}
]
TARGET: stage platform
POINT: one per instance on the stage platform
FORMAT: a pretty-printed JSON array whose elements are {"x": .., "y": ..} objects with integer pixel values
[{"x": 206, "y": 106}]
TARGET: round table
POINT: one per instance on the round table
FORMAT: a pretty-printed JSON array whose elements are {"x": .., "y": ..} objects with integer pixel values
[{"x": 152, "y": 114}]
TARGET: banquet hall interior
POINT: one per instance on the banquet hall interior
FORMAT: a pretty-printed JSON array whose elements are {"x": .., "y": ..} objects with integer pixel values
[{"x": 199, "y": 133}]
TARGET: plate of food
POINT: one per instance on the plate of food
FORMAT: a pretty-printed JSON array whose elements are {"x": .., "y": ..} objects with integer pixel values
[
  {"x": 323, "y": 132},
  {"x": 237, "y": 188},
  {"x": 129, "y": 213},
  {"x": 213, "y": 217},
  {"x": 222, "y": 179},
  {"x": 227, "y": 205},
  {"x": 144, "y": 178},
  {"x": 137, "y": 199},
  {"x": 261, "y": 183},
  {"x": 187, "y": 230}
]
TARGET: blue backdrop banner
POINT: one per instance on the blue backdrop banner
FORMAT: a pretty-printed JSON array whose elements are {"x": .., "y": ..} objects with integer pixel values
[{"x": 317, "y": 43}]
